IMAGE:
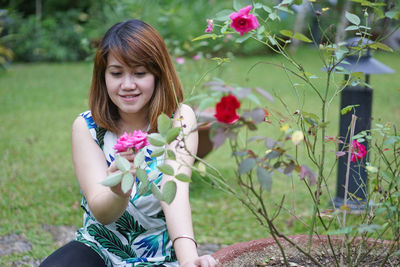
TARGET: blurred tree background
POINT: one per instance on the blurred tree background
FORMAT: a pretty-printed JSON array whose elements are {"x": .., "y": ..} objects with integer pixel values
[{"x": 69, "y": 30}]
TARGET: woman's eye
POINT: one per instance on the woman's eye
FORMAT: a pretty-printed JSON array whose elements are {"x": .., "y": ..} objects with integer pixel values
[
  {"x": 140, "y": 73},
  {"x": 115, "y": 74}
]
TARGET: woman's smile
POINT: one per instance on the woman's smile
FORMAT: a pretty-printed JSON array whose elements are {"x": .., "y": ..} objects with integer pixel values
[{"x": 130, "y": 97}]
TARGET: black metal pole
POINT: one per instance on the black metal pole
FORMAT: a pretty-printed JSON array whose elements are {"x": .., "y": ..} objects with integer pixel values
[{"x": 358, "y": 177}]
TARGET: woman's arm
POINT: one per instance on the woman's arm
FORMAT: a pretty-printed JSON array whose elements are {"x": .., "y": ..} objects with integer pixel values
[
  {"x": 178, "y": 214},
  {"x": 107, "y": 204}
]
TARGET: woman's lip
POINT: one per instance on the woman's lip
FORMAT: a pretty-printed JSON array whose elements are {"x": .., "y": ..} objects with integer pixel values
[{"x": 129, "y": 97}]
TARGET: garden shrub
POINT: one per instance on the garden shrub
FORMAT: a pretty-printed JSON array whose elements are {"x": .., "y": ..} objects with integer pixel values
[{"x": 59, "y": 38}]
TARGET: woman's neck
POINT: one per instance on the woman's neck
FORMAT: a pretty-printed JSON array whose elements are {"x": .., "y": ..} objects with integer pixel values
[{"x": 131, "y": 122}]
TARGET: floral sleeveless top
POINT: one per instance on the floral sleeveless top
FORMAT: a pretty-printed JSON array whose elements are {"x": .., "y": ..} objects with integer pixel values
[{"x": 139, "y": 237}]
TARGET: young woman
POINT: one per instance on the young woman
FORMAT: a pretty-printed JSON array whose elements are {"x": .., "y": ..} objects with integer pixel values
[{"x": 133, "y": 82}]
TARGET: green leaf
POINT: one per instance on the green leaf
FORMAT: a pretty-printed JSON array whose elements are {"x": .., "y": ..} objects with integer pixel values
[
  {"x": 183, "y": 177},
  {"x": 122, "y": 163},
  {"x": 351, "y": 28},
  {"x": 143, "y": 187},
  {"x": 381, "y": 46},
  {"x": 224, "y": 28},
  {"x": 237, "y": 5},
  {"x": 302, "y": 37},
  {"x": 112, "y": 179},
  {"x": 173, "y": 134},
  {"x": 171, "y": 154},
  {"x": 127, "y": 182},
  {"x": 354, "y": 19},
  {"x": 310, "y": 118},
  {"x": 152, "y": 175},
  {"x": 156, "y": 139},
  {"x": 141, "y": 175},
  {"x": 157, "y": 152},
  {"x": 267, "y": 9},
  {"x": 223, "y": 15},
  {"x": 260, "y": 30},
  {"x": 156, "y": 191},
  {"x": 392, "y": 14},
  {"x": 247, "y": 165},
  {"x": 286, "y": 2},
  {"x": 284, "y": 8},
  {"x": 169, "y": 191},
  {"x": 264, "y": 178},
  {"x": 243, "y": 38},
  {"x": 392, "y": 140},
  {"x": 139, "y": 159},
  {"x": 166, "y": 169},
  {"x": 287, "y": 33},
  {"x": 274, "y": 16},
  {"x": 347, "y": 109},
  {"x": 369, "y": 228},
  {"x": 164, "y": 123}
]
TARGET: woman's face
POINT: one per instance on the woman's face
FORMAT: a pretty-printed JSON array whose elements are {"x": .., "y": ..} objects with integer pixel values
[{"x": 129, "y": 89}]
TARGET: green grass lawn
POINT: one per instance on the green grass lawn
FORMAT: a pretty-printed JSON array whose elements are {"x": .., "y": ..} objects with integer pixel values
[{"x": 38, "y": 103}]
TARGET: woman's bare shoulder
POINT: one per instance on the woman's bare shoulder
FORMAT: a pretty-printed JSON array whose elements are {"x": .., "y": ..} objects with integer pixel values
[
  {"x": 79, "y": 124},
  {"x": 185, "y": 110}
]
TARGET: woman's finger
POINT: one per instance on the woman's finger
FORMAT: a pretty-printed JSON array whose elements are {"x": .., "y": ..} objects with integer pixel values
[
  {"x": 113, "y": 168},
  {"x": 129, "y": 155}
]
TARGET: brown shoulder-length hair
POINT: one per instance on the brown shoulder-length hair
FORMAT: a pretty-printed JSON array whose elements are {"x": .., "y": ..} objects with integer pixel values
[{"x": 133, "y": 43}]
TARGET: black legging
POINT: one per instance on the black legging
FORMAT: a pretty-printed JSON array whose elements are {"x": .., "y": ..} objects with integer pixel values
[{"x": 76, "y": 254}]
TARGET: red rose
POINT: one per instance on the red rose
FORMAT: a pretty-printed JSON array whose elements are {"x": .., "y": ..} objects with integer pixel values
[
  {"x": 358, "y": 152},
  {"x": 226, "y": 109}
]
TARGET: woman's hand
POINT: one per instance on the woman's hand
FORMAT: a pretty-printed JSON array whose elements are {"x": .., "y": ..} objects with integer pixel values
[
  {"x": 113, "y": 168},
  {"x": 202, "y": 261}
]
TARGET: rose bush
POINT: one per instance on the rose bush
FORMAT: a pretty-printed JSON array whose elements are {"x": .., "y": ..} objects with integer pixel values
[{"x": 266, "y": 144}]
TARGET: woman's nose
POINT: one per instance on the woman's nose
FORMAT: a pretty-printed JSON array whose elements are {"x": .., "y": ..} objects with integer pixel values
[{"x": 128, "y": 82}]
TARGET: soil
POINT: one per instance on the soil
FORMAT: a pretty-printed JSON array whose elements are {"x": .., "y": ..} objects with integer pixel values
[{"x": 260, "y": 254}]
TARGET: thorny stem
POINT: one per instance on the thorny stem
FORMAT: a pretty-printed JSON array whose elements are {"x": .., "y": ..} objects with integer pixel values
[
  {"x": 273, "y": 229},
  {"x": 394, "y": 243},
  {"x": 346, "y": 187},
  {"x": 321, "y": 163},
  {"x": 373, "y": 245}
]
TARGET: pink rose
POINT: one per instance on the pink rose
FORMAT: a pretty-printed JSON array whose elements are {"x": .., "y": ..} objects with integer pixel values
[
  {"x": 209, "y": 26},
  {"x": 137, "y": 140},
  {"x": 358, "y": 151},
  {"x": 244, "y": 22}
]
